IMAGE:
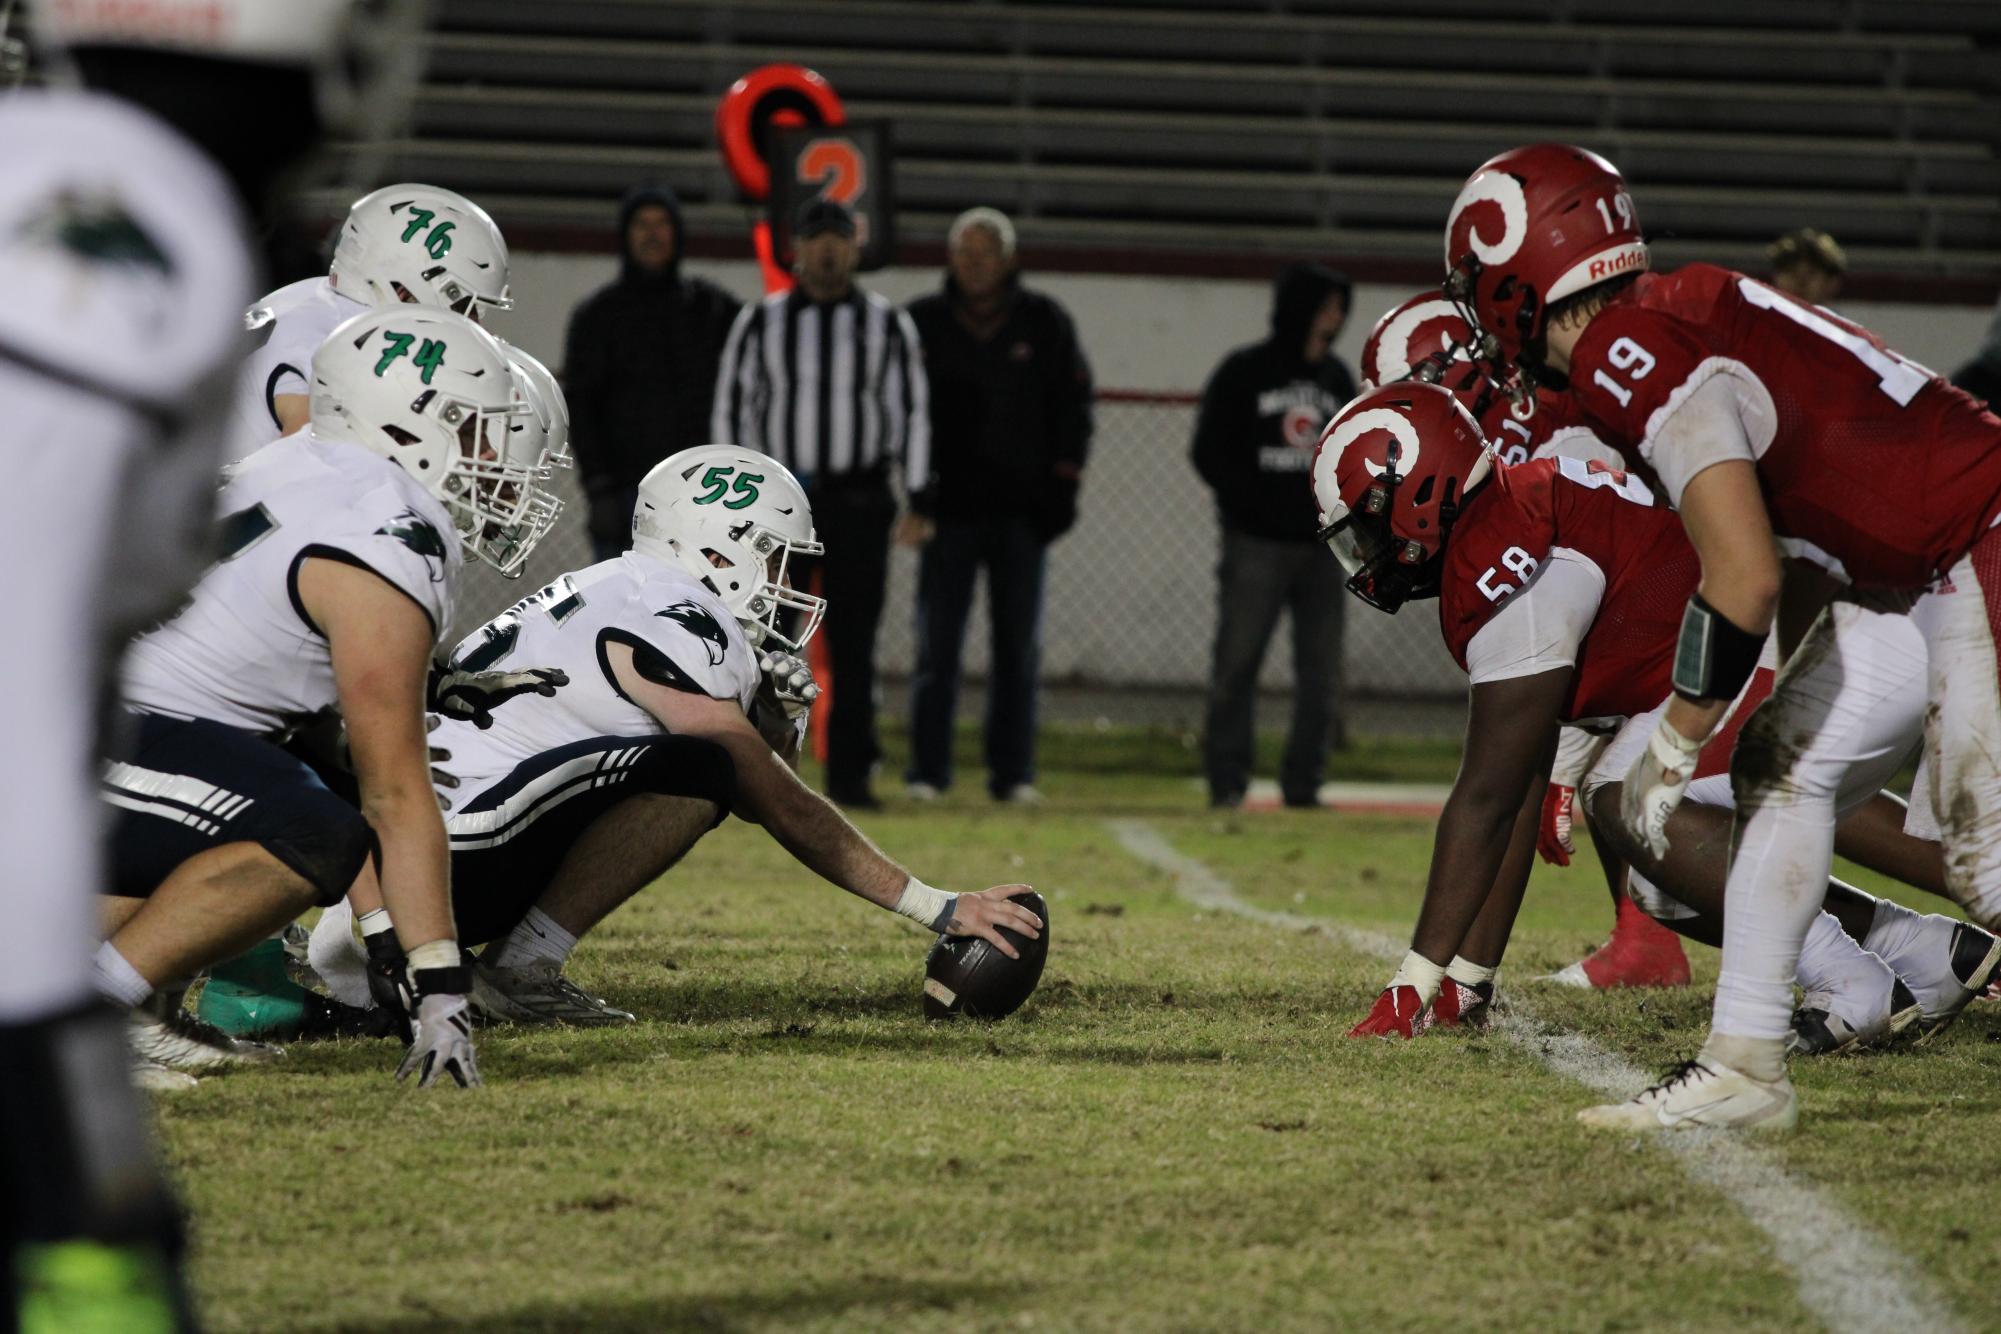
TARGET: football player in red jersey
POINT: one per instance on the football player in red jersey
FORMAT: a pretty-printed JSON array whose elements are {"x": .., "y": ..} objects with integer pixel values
[
  {"x": 1776, "y": 429},
  {"x": 1426, "y": 338},
  {"x": 1560, "y": 586}
]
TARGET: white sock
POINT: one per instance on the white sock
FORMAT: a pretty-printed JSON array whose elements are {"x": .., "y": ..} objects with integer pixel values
[
  {"x": 337, "y": 959},
  {"x": 1778, "y": 878},
  {"x": 1420, "y": 972},
  {"x": 1837, "y": 972},
  {"x": 1469, "y": 974},
  {"x": 537, "y": 936},
  {"x": 1760, "y": 1058},
  {"x": 118, "y": 980}
]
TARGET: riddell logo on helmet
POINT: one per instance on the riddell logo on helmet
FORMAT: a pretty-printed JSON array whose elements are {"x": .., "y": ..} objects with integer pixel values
[{"x": 1610, "y": 266}]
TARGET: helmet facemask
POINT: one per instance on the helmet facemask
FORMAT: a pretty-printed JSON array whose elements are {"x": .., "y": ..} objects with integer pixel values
[
  {"x": 493, "y": 492},
  {"x": 1385, "y": 570}
]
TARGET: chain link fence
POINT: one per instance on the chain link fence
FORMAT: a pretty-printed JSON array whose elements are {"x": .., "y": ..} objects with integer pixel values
[{"x": 1130, "y": 600}]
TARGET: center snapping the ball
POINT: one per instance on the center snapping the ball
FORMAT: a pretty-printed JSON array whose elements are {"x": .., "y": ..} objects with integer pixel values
[{"x": 967, "y": 975}]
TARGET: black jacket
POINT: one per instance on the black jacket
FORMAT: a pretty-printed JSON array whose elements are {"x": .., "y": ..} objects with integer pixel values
[
  {"x": 640, "y": 367},
  {"x": 1262, "y": 413},
  {"x": 1010, "y": 414}
]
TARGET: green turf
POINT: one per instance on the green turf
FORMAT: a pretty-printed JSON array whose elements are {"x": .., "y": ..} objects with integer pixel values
[{"x": 1173, "y": 1135}]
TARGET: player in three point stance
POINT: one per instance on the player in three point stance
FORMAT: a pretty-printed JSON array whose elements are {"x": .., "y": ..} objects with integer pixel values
[
  {"x": 1772, "y": 427},
  {"x": 1426, "y": 338},
  {"x": 686, "y": 699},
  {"x": 341, "y": 551},
  {"x": 1559, "y": 585},
  {"x": 403, "y": 243}
]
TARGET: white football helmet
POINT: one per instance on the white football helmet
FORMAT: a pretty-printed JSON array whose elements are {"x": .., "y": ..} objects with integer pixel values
[
  {"x": 733, "y": 518},
  {"x": 552, "y": 411},
  {"x": 432, "y": 392},
  {"x": 423, "y": 244}
]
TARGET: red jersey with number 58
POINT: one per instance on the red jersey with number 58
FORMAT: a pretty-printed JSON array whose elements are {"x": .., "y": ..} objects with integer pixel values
[
  {"x": 1583, "y": 513},
  {"x": 1866, "y": 458}
]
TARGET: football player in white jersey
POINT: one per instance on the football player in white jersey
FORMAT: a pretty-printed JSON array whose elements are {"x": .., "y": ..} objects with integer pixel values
[
  {"x": 402, "y": 243},
  {"x": 125, "y": 260},
  {"x": 686, "y": 699},
  {"x": 341, "y": 551}
]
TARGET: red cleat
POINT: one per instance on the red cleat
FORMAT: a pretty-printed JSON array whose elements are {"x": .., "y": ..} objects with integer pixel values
[
  {"x": 1397, "y": 1014},
  {"x": 1641, "y": 953},
  {"x": 1461, "y": 1006}
]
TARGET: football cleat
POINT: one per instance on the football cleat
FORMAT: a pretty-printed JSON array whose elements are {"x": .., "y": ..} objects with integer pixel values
[
  {"x": 150, "y": 1075},
  {"x": 170, "y": 1036},
  {"x": 1699, "y": 1094},
  {"x": 538, "y": 993},
  {"x": 1818, "y": 1030},
  {"x": 1976, "y": 963},
  {"x": 1461, "y": 1006},
  {"x": 1640, "y": 953},
  {"x": 1397, "y": 1013}
]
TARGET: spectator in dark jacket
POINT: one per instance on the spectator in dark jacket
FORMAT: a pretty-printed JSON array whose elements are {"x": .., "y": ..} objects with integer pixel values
[
  {"x": 1261, "y": 416},
  {"x": 1981, "y": 377},
  {"x": 1010, "y": 428},
  {"x": 640, "y": 363}
]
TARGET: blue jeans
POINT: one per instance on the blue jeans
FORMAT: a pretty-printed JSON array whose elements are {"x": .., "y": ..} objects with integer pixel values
[
  {"x": 1257, "y": 579},
  {"x": 1012, "y": 551}
]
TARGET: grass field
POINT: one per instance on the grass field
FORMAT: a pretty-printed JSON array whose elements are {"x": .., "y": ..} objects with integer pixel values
[{"x": 1174, "y": 1134}]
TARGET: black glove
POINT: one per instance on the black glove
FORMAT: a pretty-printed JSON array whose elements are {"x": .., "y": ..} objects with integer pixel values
[
  {"x": 473, "y": 696},
  {"x": 1056, "y": 508},
  {"x": 389, "y": 981}
]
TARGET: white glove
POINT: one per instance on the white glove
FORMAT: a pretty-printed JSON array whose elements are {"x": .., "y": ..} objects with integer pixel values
[
  {"x": 789, "y": 681},
  {"x": 443, "y": 1045},
  {"x": 1655, "y": 785}
]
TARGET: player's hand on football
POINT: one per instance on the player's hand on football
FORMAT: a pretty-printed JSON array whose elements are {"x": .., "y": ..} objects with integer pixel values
[
  {"x": 1559, "y": 807},
  {"x": 442, "y": 1047},
  {"x": 471, "y": 697},
  {"x": 984, "y": 913},
  {"x": 788, "y": 680},
  {"x": 1655, "y": 785}
]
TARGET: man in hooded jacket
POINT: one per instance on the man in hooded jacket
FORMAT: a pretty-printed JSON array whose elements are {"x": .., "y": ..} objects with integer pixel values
[
  {"x": 1261, "y": 416},
  {"x": 640, "y": 363}
]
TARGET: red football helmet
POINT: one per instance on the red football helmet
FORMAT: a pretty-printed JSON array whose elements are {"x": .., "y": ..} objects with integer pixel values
[
  {"x": 1391, "y": 474},
  {"x": 1533, "y": 226}
]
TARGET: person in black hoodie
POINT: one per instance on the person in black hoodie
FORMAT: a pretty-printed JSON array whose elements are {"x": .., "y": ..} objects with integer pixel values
[
  {"x": 640, "y": 363},
  {"x": 1010, "y": 429},
  {"x": 1261, "y": 417}
]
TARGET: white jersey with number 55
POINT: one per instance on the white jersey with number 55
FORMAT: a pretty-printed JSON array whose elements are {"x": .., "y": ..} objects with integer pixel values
[{"x": 679, "y": 632}]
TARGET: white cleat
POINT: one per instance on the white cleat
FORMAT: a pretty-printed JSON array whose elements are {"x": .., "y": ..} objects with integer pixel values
[
  {"x": 538, "y": 993},
  {"x": 1571, "y": 975},
  {"x": 156, "y": 1078},
  {"x": 1699, "y": 1094},
  {"x": 922, "y": 792},
  {"x": 181, "y": 1042}
]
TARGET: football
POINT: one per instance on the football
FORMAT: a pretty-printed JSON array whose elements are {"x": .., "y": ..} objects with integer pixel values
[{"x": 967, "y": 975}]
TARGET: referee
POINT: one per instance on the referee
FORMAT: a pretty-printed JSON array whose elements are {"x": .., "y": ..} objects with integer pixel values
[{"x": 829, "y": 380}]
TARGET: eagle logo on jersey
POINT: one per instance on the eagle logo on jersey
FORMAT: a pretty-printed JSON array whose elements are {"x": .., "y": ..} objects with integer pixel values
[
  {"x": 416, "y": 532},
  {"x": 97, "y": 230},
  {"x": 695, "y": 619}
]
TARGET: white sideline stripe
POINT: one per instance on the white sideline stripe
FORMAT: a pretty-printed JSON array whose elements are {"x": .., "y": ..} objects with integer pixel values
[{"x": 1846, "y": 1274}]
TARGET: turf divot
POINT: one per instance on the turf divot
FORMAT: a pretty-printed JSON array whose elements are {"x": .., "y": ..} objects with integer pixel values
[{"x": 1847, "y": 1275}]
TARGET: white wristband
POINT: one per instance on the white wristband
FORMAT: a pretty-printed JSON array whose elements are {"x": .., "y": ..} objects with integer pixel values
[
  {"x": 921, "y": 903},
  {"x": 374, "y": 923}
]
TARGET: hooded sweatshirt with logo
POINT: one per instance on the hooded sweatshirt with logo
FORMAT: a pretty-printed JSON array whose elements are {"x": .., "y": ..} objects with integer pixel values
[
  {"x": 1263, "y": 410},
  {"x": 639, "y": 366}
]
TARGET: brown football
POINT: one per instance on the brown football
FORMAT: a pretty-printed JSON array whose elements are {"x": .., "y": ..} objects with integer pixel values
[{"x": 966, "y": 975}]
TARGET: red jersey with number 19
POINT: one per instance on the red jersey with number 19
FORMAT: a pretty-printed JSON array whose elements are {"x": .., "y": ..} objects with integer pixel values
[
  {"x": 1586, "y": 517},
  {"x": 1866, "y": 458}
]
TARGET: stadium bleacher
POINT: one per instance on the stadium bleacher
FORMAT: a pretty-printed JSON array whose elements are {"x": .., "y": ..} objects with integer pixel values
[{"x": 1258, "y": 127}]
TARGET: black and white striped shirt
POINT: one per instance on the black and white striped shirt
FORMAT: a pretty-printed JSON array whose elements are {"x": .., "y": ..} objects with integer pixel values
[{"x": 828, "y": 390}]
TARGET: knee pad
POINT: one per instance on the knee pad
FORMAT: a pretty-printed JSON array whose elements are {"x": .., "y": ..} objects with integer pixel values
[
  {"x": 687, "y": 766},
  {"x": 328, "y": 849}
]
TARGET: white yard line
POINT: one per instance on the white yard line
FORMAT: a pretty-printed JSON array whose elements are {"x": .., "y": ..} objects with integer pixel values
[{"x": 1846, "y": 1274}]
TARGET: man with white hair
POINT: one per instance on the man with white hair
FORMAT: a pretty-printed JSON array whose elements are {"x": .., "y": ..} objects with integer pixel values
[{"x": 1010, "y": 426}]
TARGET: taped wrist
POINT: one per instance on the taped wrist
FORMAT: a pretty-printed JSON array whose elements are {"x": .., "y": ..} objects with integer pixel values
[
  {"x": 921, "y": 903},
  {"x": 1713, "y": 658}
]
